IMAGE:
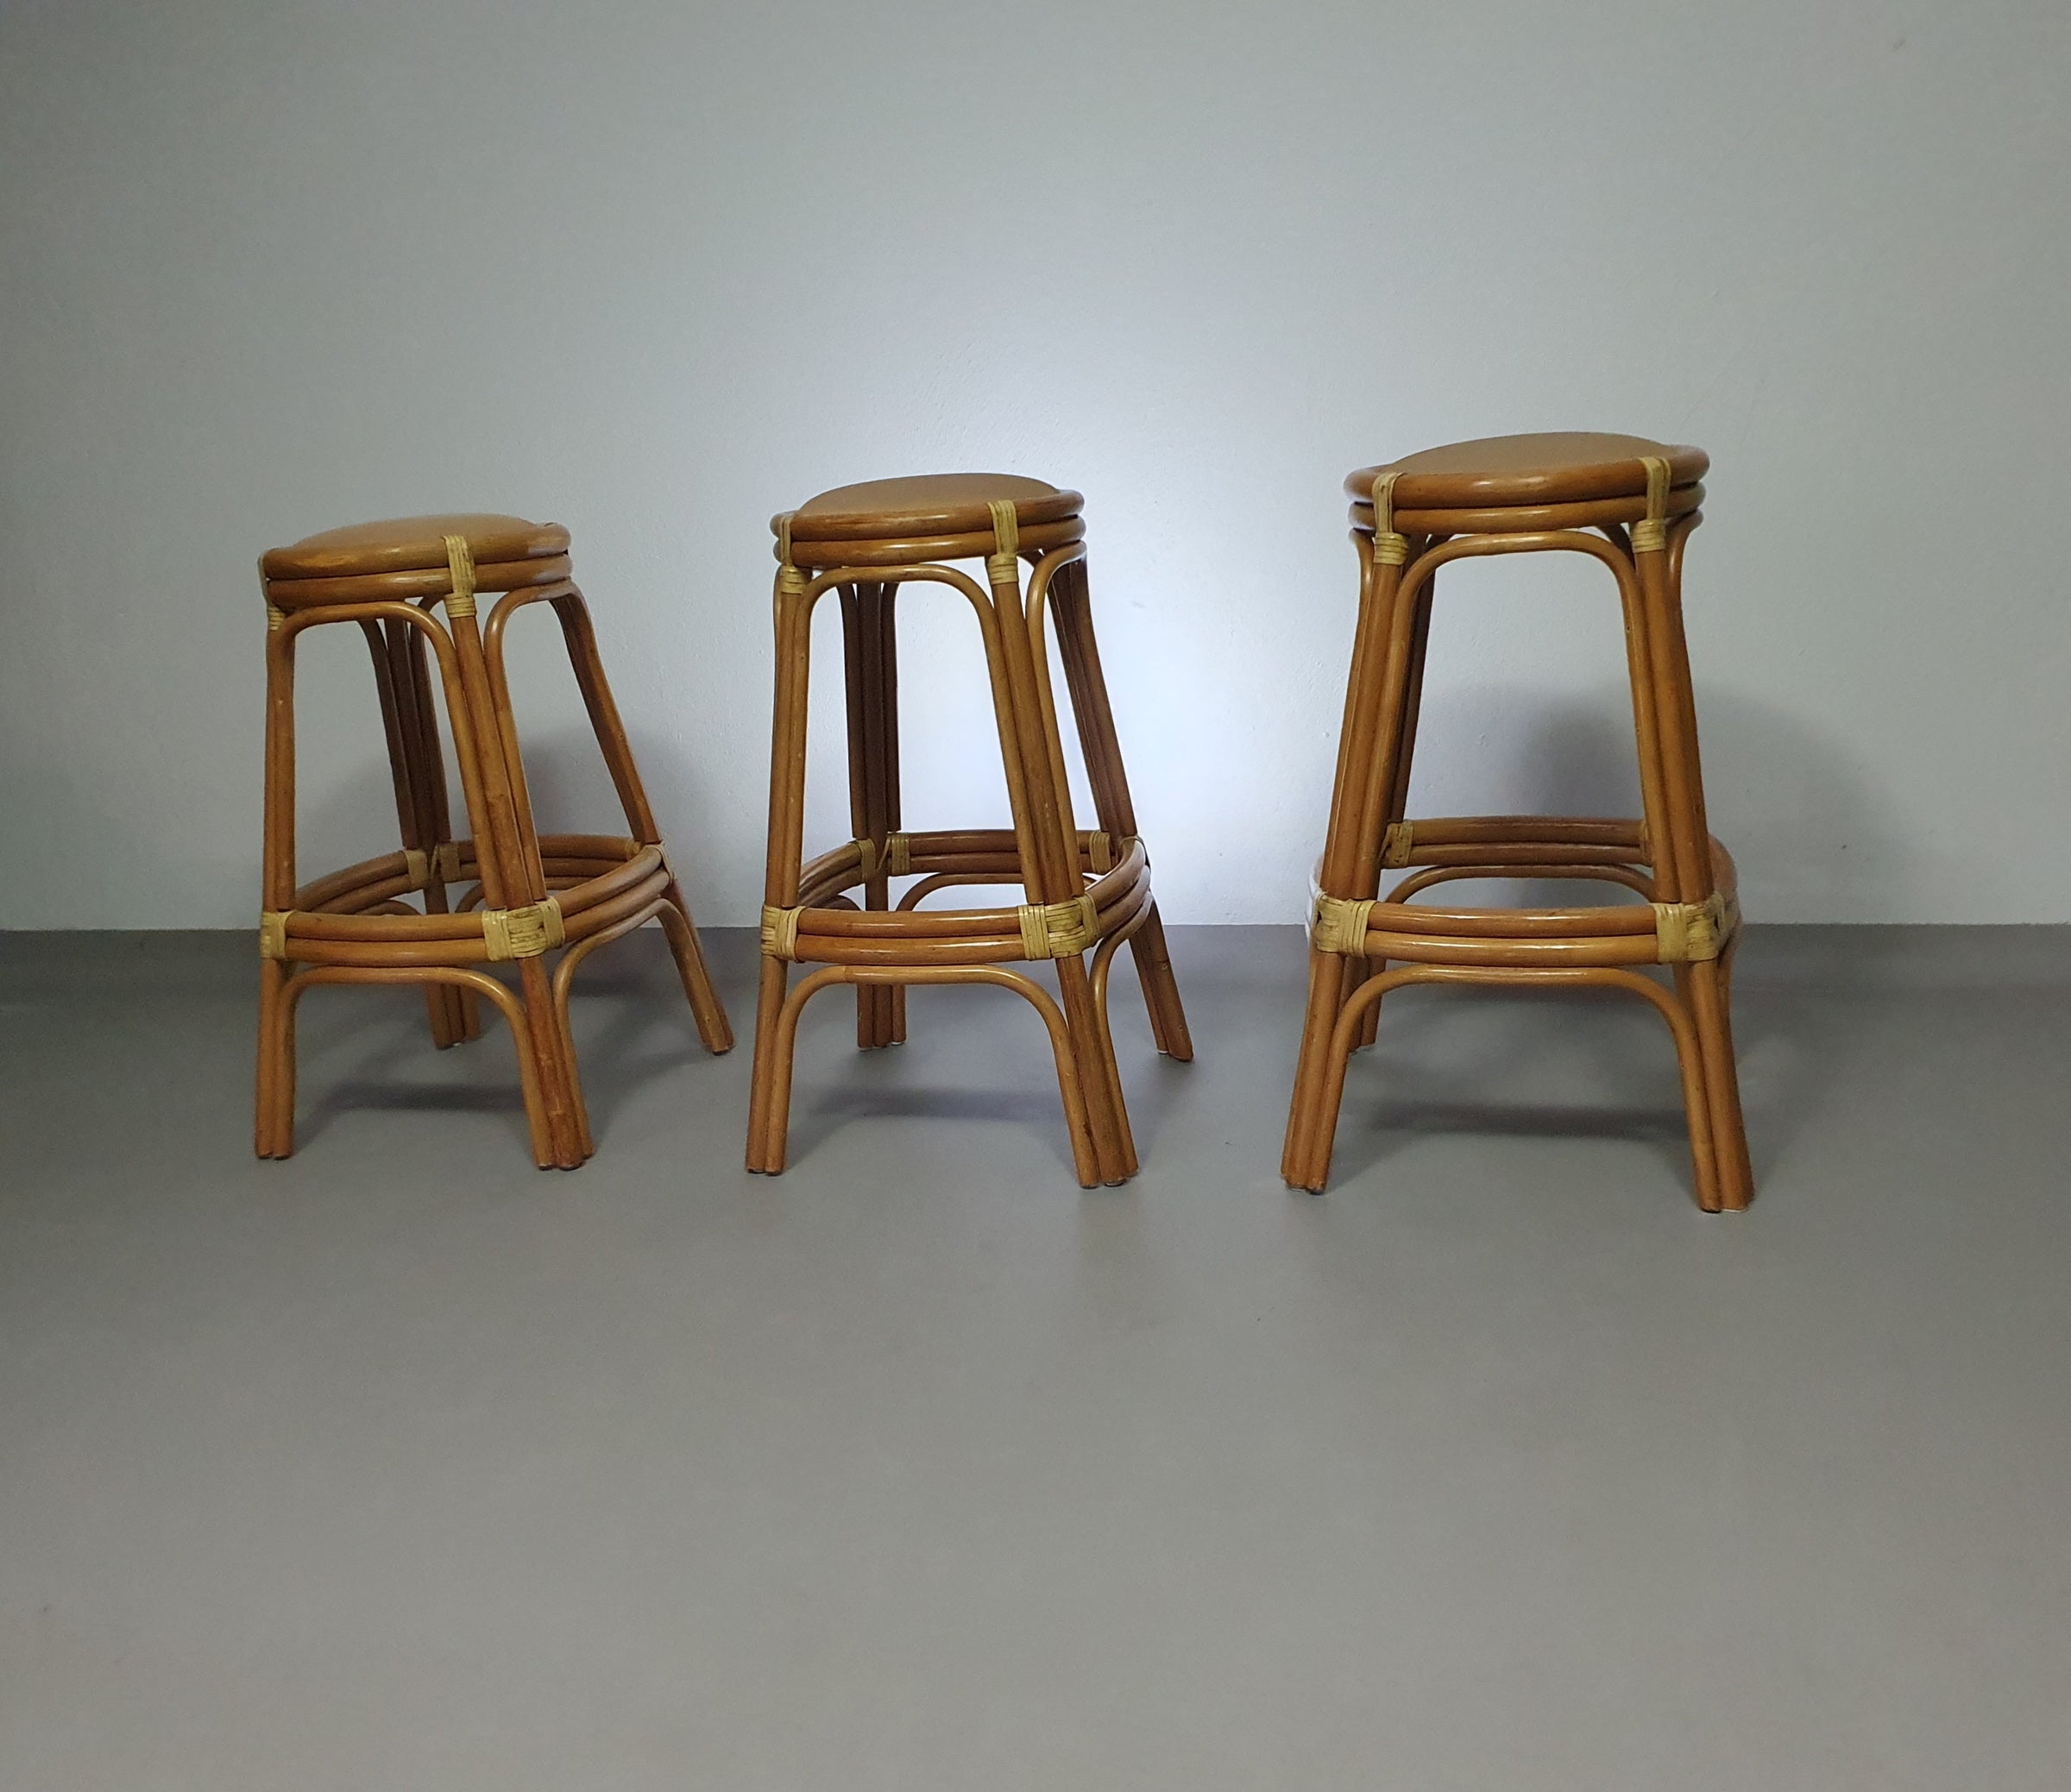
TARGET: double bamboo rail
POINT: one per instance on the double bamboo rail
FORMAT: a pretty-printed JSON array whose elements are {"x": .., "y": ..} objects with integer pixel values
[
  {"x": 521, "y": 895},
  {"x": 1630, "y": 504},
  {"x": 1088, "y": 891}
]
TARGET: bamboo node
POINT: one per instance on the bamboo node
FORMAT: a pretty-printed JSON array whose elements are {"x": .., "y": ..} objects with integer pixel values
[
  {"x": 1059, "y": 930},
  {"x": 415, "y": 867},
  {"x": 1339, "y": 925},
  {"x": 460, "y": 562},
  {"x": 1650, "y": 534},
  {"x": 1384, "y": 504},
  {"x": 1691, "y": 933},
  {"x": 1397, "y": 844},
  {"x": 273, "y": 932},
  {"x": 523, "y": 933},
  {"x": 1003, "y": 564},
  {"x": 780, "y": 931},
  {"x": 898, "y": 855}
]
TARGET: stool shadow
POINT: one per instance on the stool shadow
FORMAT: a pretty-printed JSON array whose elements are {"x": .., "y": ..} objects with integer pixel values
[{"x": 1790, "y": 804}]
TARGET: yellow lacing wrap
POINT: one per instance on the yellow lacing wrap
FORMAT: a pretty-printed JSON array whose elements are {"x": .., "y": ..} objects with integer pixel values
[
  {"x": 1340, "y": 925},
  {"x": 460, "y": 562},
  {"x": 1389, "y": 548},
  {"x": 899, "y": 856},
  {"x": 446, "y": 862},
  {"x": 1397, "y": 844},
  {"x": 1059, "y": 930},
  {"x": 523, "y": 933},
  {"x": 780, "y": 931},
  {"x": 1003, "y": 564},
  {"x": 1100, "y": 854},
  {"x": 866, "y": 852},
  {"x": 1688, "y": 933},
  {"x": 1650, "y": 534},
  {"x": 273, "y": 932},
  {"x": 415, "y": 867},
  {"x": 274, "y": 617}
]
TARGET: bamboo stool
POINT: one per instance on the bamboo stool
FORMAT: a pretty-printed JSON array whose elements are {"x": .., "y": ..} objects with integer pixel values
[
  {"x": 528, "y": 893},
  {"x": 1086, "y": 892},
  {"x": 1632, "y": 504}
]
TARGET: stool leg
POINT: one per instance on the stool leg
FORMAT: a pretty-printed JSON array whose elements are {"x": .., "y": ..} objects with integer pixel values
[
  {"x": 399, "y": 724},
  {"x": 1396, "y": 807},
  {"x": 1049, "y": 854},
  {"x": 1080, "y": 654},
  {"x": 414, "y": 695},
  {"x": 1683, "y": 870},
  {"x": 508, "y": 851},
  {"x": 677, "y": 922},
  {"x": 870, "y": 652},
  {"x": 769, "y": 1101},
  {"x": 273, "y": 1102},
  {"x": 1368, "y": 744}
]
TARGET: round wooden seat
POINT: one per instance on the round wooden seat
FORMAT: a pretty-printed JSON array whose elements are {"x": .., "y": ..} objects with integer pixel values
[
  {"x": 405, "y": 558},
  {"x": 935, "y": 516},
  {"x": 1572, "y": 479}
]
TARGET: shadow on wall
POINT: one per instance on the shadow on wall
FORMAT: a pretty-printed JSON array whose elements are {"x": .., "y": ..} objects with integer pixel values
[{"x": 1805, "y": 828}]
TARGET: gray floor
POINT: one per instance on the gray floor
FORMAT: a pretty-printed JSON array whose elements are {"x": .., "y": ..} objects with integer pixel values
[{"x": 405, "y": 1465}]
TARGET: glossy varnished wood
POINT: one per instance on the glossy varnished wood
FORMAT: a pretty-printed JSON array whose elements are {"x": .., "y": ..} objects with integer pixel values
[
  {"x": 868, "y": 544},
  {"x": 358, "y": 925},
  {"x": 1572, "y": 493}
]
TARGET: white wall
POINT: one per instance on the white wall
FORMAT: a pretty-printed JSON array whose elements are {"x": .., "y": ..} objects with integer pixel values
[{"x": 658, "y": 270}]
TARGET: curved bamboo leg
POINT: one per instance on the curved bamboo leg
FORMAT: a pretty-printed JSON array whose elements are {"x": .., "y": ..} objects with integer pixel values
[
  {"x": 273, "y": 1095},
  {"x": 1050, "y": 857},
  {"x": 274, "y": 1130},
  {"x": 1372, "y": 729},
  {"x": 769, "y": 1083},
  {"x": 688, "y": 950},
  {"x": 870, "y": 656},
  {"x": 1685, "y": 872},
  {"x": 581, "y": 637},
  {"x": 1396, "y": 806},
  {"x": 1079, "y": 652},
  {"x": 420, "y": 710},
  {"x": 504, "y": 837},
  {"x": 545, "y": 1152},
  {"x": 1070, "y": 1085},
  {"x": 385, "y": 643}
]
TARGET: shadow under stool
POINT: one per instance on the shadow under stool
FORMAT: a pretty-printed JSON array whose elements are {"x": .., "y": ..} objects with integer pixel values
[
  {"x": 1085, "y": 891},
  {"x": 1632, "y": 505},
  {"x": 525, "y": 894}
]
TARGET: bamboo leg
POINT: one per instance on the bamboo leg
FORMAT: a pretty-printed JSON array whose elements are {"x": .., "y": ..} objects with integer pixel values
[
  {"x": 420, "y": 711},
  {"x": 1049, "y": 852},
  {"x": 1079, "y": 652},
  {"x": 1375, "y": 699},
  {"x": 1688, "y": 868},
  {"x": 1397, "y": 805},
  {"x": 504, "y": 836},
  {"x": 441, "y": 1002},
  {"x": 274, "y": 1122},
  {"x": 870, "y": 658},
  {"x": 770, "y": 1084},
  {"x": 587, "y": 663}
]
